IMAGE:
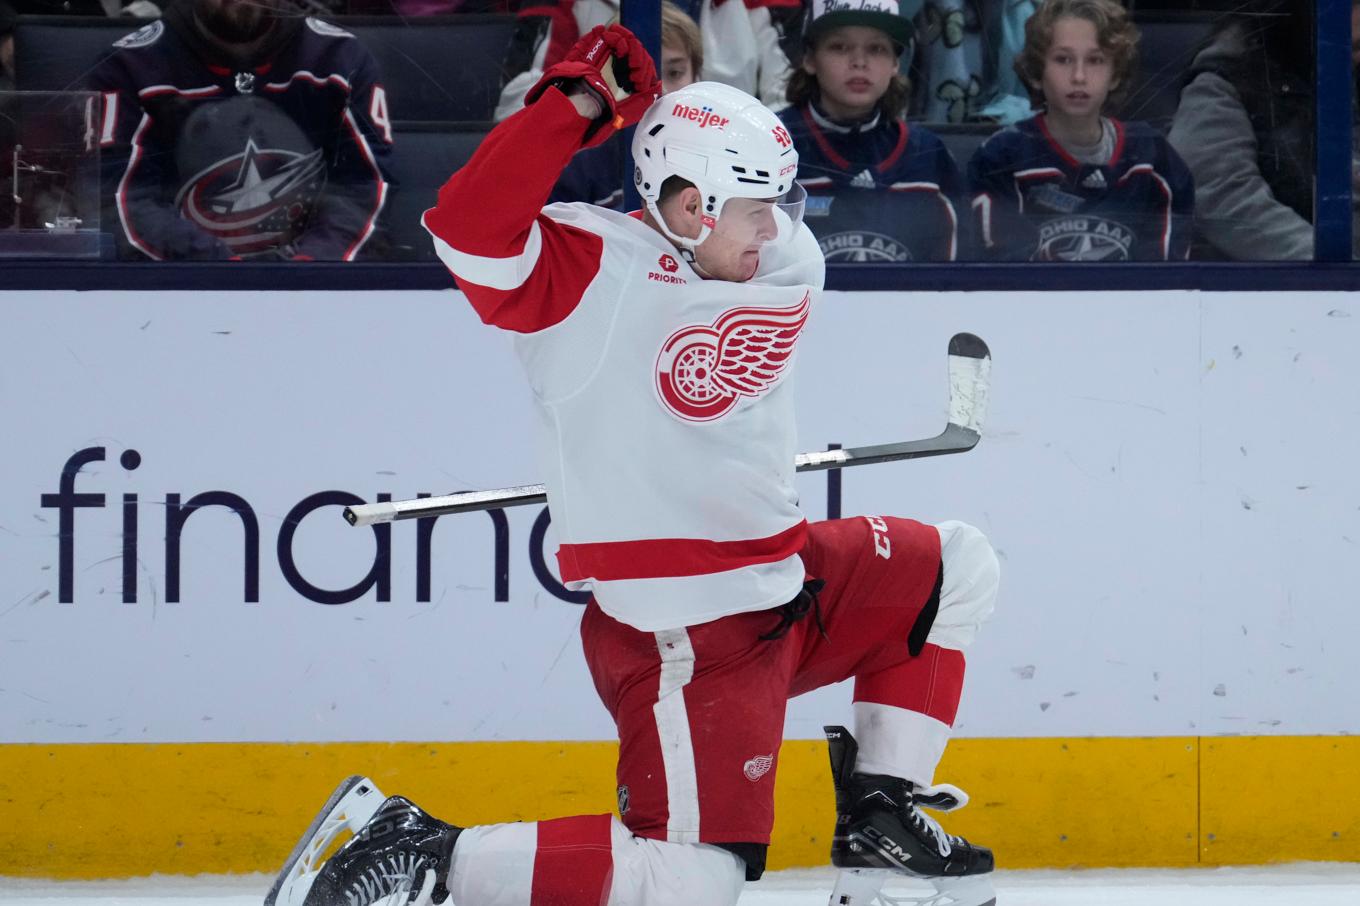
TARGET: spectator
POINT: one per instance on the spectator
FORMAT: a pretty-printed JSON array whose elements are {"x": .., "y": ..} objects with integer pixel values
[
  {"x": 230, "y": 130},
  {"x": 1245, "y": 127},
  {"x": 1071, "y": 184},
  {"x": 878, "y": 189},
  {"x": 10, "y": 10},
  {"x": 8, "y": 16},
  {"x": 743, "y": 42},
  {"x": 595, "y": 175}
]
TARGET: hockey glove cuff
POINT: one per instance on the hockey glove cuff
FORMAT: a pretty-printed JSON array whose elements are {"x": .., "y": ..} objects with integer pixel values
[{"x": 614, "y": 65}]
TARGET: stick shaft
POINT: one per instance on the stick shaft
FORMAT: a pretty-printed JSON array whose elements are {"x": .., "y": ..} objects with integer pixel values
[
  {"x": 969, "y": 379},
  {"x": 954, "y": 439}
]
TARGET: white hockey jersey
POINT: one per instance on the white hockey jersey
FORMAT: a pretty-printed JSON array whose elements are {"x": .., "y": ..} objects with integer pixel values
[{"x": 664, "y": 400}]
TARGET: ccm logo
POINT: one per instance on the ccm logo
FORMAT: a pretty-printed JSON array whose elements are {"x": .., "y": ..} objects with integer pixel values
[{"x": 704, "y": 116}]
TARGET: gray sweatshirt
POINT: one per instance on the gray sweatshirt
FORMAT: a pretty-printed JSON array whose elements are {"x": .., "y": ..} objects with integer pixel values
[{"x": 1234, "y": 208}]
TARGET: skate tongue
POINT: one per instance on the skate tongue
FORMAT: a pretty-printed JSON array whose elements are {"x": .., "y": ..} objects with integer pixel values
[
  {"x": 842, "y": 749},
  {"x": 943, "y": 797}
]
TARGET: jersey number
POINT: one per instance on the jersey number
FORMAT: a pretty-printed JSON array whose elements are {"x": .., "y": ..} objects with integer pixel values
[
  {"x": 377, "y": 112},
  {"x": 110, "y": 119}
]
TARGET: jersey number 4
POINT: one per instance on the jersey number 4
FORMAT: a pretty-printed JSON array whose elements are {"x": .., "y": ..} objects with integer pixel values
[{"x": 377, "y": 112}]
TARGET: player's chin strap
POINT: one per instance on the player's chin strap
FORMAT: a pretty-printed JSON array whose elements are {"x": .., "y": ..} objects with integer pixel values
[{"x": 686, "y": 246}]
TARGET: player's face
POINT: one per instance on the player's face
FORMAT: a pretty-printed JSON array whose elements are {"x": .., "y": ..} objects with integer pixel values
[
  {"x": 853, "y": 66},
  {"x": 1077, "y": 71},
  {"x": 677, "y": 69},
  {"x": 732, "y": 250}
]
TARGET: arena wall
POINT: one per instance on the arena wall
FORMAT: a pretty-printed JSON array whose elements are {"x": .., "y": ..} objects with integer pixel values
[{"x": 195, "y": 651}]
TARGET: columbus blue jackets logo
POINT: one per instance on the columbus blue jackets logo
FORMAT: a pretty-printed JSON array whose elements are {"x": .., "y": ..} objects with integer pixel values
[
  {"x": 254, "y": 200},
  {"x": 142, "y": 37},
  {"x": 862, "y": 246},
  {"x": 1083, "y": 238}
]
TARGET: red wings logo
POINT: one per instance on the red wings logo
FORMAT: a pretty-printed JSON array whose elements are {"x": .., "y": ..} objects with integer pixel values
[
  {"x": 757, "y": 767},
  {"x": 703, "y": 370}
]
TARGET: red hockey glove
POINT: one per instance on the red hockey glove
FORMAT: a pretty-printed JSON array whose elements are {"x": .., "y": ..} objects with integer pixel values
[{"x": 617, "y": 68}]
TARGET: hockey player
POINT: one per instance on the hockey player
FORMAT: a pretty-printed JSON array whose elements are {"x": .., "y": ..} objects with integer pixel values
[
  {"x": 878, "y": 189},
  {"x": 1071, "y": 184},
  {"x": 240, "y": 129},
  {"x": 659, "y": 347}
]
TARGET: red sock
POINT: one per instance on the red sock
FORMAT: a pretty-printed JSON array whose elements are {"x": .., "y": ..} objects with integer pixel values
[
  {"x": 930, "y": 684},
  {"x": 574, "y": 864}
]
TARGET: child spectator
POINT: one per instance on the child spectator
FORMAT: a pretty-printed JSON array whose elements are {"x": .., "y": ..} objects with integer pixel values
[
  {"x": 595, "y": 175},
  {"x": 878, "y": 189},
  {"x": 1071, "y": 184}
]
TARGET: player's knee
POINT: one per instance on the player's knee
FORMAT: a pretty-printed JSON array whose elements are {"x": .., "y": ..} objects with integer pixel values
[
  {"x": 675, "y": 874},
  {"x": 968, "y": 589}
]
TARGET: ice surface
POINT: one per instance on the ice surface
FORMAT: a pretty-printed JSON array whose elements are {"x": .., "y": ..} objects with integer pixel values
[{"x": 1319, "y": 884}]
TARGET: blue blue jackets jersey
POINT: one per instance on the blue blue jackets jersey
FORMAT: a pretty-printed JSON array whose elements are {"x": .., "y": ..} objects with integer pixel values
[
  {"x": 885, "y": 191},
  {"x": 1032, "y": 201},
  {"x": 280, "y": 156},
  {"x": 595, "y": 175}
]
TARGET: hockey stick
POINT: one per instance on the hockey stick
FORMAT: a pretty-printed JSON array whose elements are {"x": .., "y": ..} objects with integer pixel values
[{"x": 970, "y": 365}]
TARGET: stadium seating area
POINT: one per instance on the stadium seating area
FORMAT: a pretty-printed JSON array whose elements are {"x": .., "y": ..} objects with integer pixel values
[
  {"x": 445, "y": 68},
  {"x": 443, "y": 75}
]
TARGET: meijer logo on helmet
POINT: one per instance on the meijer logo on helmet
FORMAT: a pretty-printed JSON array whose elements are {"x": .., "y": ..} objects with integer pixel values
[{"x": 704, "y": 116}]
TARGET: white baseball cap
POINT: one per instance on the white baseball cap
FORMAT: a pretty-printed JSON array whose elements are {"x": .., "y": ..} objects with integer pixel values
[{"x": 885, "y": 15}]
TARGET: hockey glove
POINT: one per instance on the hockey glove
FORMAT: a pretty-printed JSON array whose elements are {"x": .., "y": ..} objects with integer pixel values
[{"x": 617, "y": 68}]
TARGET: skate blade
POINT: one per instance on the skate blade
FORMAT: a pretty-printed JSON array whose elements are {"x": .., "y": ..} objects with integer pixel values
[
  {"x": 864, "y": 887},
  {"x": 354, "y": 801}
]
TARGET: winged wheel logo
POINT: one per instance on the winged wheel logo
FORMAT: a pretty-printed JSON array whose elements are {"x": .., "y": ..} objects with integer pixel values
[{"x": 703, "y": 370}]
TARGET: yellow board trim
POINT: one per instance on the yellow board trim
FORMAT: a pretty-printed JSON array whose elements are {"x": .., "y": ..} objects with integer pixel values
[{"x": 125, "y": 810}]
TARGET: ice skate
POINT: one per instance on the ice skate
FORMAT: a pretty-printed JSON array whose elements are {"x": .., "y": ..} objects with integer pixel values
[
  {"x": 396, "y": 854},
  {"x": 883, "y": 836}
]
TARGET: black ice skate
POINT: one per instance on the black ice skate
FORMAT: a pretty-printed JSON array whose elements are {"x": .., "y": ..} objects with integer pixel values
[
  {"x": 882, "y": 836},
  {"x": 397, "y": 854}
]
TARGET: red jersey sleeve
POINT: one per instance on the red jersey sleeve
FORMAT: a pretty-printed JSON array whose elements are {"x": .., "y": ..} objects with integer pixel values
[{"x": 520, "y": 269}]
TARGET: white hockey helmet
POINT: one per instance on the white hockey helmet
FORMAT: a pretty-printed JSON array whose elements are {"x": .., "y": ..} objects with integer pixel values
[{"x": 728, "y": 145}]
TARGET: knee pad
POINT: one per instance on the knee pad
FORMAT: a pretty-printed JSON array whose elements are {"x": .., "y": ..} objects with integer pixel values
[
  {"x": 968, "y": 588},
  {"x": 674, "y": 874}
]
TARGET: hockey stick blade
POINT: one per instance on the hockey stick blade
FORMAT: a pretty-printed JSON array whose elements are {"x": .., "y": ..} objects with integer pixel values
[{"x": 969, "y": 376}]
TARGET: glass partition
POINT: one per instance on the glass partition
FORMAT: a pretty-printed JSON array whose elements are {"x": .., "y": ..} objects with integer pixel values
[
  {"x": 50, "y": 206},
  {"x": 986, "y": 131}
]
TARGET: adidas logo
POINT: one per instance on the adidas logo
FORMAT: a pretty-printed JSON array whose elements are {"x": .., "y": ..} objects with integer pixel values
[
  {"x": 865, "y": 180},
  {"x": 1096, "y": 180}
]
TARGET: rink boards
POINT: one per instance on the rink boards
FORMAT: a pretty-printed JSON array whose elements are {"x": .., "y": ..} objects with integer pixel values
[
  {"x": 202, "y": 652},
  {"x": 100, "y": 810}
]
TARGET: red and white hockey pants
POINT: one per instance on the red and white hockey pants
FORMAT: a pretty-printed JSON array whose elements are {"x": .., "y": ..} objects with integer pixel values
[{"x": 700, "y": 713}]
